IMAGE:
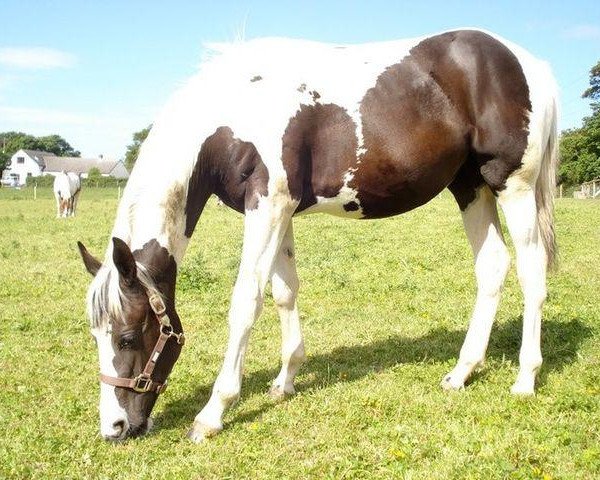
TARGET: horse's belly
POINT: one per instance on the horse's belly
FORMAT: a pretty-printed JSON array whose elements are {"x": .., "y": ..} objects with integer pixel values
[{"x": 370, "y": 191}]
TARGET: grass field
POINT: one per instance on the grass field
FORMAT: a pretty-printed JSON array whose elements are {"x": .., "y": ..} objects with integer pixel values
[{"x": 384, "y": 306}]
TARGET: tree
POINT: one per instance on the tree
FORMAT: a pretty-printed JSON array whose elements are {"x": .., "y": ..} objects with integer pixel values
[
  {"x": 580, "y": 147},
  {"x": 134, "y": 148},
  {"x": 594, "y": 91},
  {"x": 11, "y": 142},
  {"x": 58, "y": 146}
]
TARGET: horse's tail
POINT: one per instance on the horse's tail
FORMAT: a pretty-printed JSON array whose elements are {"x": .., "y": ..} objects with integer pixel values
[{"x": 546, "y": 181}]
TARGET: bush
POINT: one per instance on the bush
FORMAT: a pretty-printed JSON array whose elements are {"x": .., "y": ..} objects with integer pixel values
[
  {"x": 43, "y": 181},
  {"x": 103, "y": 182},
  {"x": 99, "y": 182}
]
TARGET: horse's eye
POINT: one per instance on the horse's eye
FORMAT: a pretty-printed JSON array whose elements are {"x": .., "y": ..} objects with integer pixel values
[{"x": 127, "y": 343}]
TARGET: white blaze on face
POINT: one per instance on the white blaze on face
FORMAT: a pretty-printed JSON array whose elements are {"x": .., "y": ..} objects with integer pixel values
[{"x": 111, "y": 413}]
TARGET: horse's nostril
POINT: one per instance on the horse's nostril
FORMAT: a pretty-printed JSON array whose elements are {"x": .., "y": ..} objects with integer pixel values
[{"x": 119, "y": 426}]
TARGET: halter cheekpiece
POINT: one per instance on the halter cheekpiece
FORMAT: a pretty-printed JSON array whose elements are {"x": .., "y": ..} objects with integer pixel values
[{"x": 143, "y": 382}]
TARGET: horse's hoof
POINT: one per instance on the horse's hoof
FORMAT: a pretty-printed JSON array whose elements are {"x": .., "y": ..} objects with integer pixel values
[
  {"x": 448, "y": 383},
  {"x": 200, "y": 432},
  {"x": 522, "y": 389},
  {"x": 279, "y": 393}
]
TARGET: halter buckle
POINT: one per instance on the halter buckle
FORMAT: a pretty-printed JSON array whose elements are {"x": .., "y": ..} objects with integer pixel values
[
  {"x": 142, "y": 384},
  {"x": 157, "y": 304}
]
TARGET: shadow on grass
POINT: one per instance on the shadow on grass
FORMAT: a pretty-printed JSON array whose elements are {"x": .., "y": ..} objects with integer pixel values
[{"x": 560, "y": 343}]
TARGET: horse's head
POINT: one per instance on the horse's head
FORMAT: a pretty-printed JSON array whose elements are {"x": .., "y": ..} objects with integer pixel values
[{"x": 138, "y": 333}]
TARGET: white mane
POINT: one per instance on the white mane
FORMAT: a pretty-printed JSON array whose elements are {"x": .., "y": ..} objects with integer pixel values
[{"x": 105, "y": 298}]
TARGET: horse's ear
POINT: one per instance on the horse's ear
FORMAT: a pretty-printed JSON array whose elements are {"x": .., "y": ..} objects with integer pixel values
[
  {"x": 92, "y": 264},
  {"x": 124, "y": 261}
]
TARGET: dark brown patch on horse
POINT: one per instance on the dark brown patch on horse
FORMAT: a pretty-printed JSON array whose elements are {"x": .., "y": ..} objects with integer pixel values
[
  {"x": 434, "y": 120},
  {"x": 230, "y": 168},
  {"x": 256, "y": 78},
  {"x": 351, "y": 206},
  {"x": 319, "y": 144},
  {"x": 454, "y": 112},
  {"x": 315, "y": 95},
  {"x": 302, "y": 88},
  {"x": 466, "y": 182}
]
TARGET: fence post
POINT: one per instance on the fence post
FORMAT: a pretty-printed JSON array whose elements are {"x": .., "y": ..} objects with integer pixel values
[
  {"x": 561, "y": 190},
  {"x": 35, "y": 191}
]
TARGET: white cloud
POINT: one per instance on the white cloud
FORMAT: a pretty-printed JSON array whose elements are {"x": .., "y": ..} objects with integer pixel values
[
  {"x": 41, "y": 116},
  {"x": 583, "y": 32},
  {"x": 35, "y": 58}
]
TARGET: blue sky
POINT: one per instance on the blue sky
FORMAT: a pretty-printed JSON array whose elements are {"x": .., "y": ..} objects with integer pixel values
[{"x": 96, "y": 71}]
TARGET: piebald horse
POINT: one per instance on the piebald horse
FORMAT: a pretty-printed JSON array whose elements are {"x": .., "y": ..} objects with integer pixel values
[
  {"x": 67, "y": 187},
  {"x": 279, "y": 127}
]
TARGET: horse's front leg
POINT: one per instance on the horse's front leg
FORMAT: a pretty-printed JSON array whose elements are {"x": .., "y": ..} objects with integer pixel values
[{"x": 264, "y": 228}]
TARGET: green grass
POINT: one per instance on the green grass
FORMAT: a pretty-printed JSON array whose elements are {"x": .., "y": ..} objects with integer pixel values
[{"x": 384, "y": 307}]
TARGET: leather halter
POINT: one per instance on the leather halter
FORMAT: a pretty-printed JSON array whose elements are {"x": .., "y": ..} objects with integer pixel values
[{"x": 143, "y": 382}]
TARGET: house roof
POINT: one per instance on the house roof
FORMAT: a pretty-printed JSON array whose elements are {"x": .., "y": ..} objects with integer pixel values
[
  {"x": 39, "y": 156},
  {"x": 79, "y": 165}
]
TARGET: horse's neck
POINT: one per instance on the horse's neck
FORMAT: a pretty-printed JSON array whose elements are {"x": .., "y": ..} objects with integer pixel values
[{"x": 154, "y": 208}]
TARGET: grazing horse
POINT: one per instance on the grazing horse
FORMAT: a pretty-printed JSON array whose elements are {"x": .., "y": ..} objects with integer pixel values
[
  {"x": 277, "y": 128},
  {"x": 67, "y": 187}
]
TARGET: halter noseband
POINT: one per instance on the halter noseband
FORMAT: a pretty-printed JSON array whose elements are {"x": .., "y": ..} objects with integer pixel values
[{"x": 143, "y": 382}]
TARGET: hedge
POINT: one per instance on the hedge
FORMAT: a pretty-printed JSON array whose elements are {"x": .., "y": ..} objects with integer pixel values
[{"x": 99, "y": 182}]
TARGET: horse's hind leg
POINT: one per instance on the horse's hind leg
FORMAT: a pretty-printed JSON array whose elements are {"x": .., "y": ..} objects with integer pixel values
[
  {"x": 57, "y": 197},
  {"x": 264, "y": 229},
  {"x": 492, "y": 260},
  {"x": 519, "y": 205},
  {"x": 74, "y": 203},
  {"x": 285, "y": 291}
]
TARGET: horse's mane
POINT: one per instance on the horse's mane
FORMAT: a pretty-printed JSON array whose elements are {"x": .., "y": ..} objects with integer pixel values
[{"x": 106, "y": 299}]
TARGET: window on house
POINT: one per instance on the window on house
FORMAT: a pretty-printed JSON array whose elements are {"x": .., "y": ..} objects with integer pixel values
[
  {"x": 20, "y": 159},
  {"x": 29, "y": 174}
]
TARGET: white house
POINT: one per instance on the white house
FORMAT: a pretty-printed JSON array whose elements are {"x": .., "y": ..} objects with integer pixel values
[
  {"x": 23, "y": 164},
  {"x": 33, "y": 163}
]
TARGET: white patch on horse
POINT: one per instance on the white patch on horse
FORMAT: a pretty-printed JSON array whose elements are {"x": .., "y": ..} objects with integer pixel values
[
  {"x": 335, "y": 205},
  {"x": 113, "y": 418}
]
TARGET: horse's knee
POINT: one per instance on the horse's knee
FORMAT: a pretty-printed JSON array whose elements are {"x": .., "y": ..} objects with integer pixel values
[{"x": 285, "y": 293}]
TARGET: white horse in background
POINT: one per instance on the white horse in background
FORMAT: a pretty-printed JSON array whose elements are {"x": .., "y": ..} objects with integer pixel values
[{"x": 66, "y": 191}]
